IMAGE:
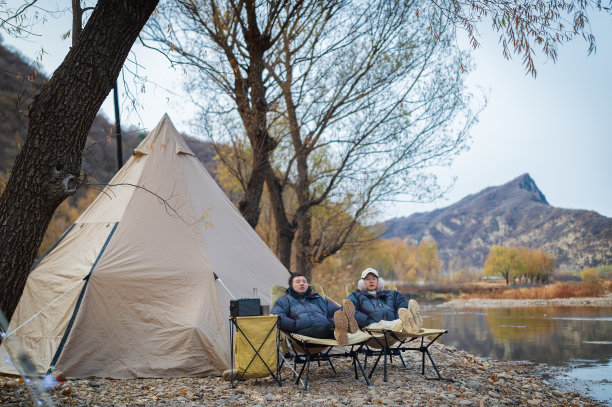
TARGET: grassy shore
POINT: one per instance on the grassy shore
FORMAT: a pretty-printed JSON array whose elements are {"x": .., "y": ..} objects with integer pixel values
[{"x": 437, "y": 293}]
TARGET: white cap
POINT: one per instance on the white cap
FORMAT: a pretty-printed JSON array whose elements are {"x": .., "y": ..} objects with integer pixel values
[{"x": 367, "y": 271}]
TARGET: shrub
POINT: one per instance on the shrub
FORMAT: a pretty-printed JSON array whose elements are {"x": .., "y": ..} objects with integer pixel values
[
  {"x": 590, "y": 275},
  {"x": 605, "y": 272}
]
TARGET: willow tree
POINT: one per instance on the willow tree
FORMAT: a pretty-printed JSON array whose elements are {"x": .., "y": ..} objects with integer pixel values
[
  {"x": 343, "y": 104},
  {"x": 506, "y": 262},
  {"x": 48, "y": 167}
]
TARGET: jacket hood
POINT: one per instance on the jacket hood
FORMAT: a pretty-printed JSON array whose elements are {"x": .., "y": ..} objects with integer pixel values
[{"x": 362, "y": 287}]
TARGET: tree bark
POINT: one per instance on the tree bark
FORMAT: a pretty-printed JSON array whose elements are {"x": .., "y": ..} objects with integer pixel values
[
  {"x": 303, "y": 255},
  {"x": 285, "y": 232},
  {"x": 47, "y": 169},
  {"x": 254, "y": 116},
  {"x": 77, "y": 21}
]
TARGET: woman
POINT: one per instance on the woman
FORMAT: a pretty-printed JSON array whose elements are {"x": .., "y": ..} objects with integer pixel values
[
  {"x": 305, "y": 312},
  {"x": 376, "y": 308}
]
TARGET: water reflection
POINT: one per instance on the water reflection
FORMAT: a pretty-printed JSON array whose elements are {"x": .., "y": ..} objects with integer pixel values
[
  {"x": 579, "y": 338},
  {"x": 548, "y": 334}
]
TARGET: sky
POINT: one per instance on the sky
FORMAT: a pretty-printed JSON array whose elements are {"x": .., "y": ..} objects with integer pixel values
[{"x": 556, "y": 127}]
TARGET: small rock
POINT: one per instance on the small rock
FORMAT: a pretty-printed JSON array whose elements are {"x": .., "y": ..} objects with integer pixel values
[
  {"x": 11, "y": 384},
  {"x": 534, "y": 402},
  {"x": 557, "y": 393},
  {"x": 465, "y": 402}
]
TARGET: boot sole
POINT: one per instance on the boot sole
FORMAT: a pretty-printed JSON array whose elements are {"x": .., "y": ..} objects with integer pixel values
[{"x": 349, "y": 310}]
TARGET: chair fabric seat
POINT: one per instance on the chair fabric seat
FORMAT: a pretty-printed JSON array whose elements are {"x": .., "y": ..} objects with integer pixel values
[{"x": 255, "y": 347}]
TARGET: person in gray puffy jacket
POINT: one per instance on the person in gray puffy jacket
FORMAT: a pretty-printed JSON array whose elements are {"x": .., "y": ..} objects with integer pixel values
[
  {"x": 305, "y": 312},
  {"x": 377, "y": 308}
]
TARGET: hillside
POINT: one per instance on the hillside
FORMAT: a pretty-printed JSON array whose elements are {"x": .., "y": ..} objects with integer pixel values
[
  {"x": 19, "y": 84},
  {"x": 513, "y": 214}
]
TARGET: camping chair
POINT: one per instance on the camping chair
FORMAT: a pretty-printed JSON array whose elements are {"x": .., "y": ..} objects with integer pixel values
[
  {"x": 304, "y": 349},
  {"x": 254, "y": 348},
  {"x": 386, "y": 343}
]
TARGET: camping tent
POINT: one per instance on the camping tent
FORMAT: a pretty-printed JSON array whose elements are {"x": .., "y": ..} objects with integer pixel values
[{"x": 130, "y": 290}]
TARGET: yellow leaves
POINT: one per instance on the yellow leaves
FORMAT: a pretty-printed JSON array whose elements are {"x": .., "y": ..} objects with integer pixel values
[
  {"x": 66, "y": 35},
  {"x": 207, "y": 217}
]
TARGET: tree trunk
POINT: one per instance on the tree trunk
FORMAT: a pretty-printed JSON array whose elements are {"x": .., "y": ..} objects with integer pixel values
[
  {"x": 77, "y": 21},
  {"x": 47, "y": 169},
  {"x": 254, "y": 117},
  {"x": 285, "y": 232},
  {"x": 303, "y": 254}
]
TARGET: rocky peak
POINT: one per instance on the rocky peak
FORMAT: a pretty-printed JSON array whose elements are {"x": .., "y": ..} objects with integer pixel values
[{"x": 514, "y": 214}]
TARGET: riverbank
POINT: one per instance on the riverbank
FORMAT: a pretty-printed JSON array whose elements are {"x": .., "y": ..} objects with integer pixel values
[
  {"x": 469, "y": 381},
  {"x": 605, "y": 301}
]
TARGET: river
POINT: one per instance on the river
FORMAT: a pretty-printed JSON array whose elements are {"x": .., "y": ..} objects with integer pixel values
[{"x": 577, "y": 339}]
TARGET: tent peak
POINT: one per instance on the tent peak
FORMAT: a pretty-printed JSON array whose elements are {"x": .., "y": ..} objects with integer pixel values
[{"x": 164, "y": 137}]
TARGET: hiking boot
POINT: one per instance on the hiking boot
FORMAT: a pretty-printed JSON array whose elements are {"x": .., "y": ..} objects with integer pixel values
[
  {"x": 341, "y": 331},
  {"x": 414, "y": 308},
  {"x": 408, "y": 322},
  {"x": 349, "y": 309}
]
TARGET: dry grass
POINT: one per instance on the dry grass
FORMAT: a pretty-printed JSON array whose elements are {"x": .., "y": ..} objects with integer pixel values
[{"x": 557, "y": 290}]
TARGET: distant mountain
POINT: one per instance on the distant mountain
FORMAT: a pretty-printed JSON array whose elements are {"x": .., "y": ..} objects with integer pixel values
[
  {"x": 19, "y": 83},
  {"x": 513, "y": 214}
]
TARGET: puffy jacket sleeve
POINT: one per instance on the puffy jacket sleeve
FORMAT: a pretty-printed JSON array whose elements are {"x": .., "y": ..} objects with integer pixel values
[
  {"x": 281, "y": 307},
  {"x": 331, "y": 310},
  {"x": 399, "y": 301},
  {"x": 360, "y": 316}
]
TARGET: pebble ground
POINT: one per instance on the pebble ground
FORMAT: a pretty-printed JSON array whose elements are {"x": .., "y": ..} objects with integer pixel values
[{"x": 468, "y": 381}]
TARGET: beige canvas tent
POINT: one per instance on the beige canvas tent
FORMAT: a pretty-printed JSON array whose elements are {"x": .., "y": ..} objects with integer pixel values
[{"x": 130, "y": 289}]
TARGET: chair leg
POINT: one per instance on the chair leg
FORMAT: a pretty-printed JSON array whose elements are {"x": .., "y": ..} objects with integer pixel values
[
  {"x": 356, "y": 360},
  {"x": 332, "y": 366},
  {"x": 423, "y": 362},
  {"x": 307, "y": 372},
  {"x": 375, "y": 364},
  {"x": 301, "y": 371},
  {"x": 385, "y": 353},
  {"x": 402, "y": 359},
  {"x": 433, "y": 364}
]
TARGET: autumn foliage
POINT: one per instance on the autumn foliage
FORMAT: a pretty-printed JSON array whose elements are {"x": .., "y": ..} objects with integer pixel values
[
  {"x": 519, "y": 264},
  {"x": 558, "y": 290},
  {"x": 395, "y": 259}
]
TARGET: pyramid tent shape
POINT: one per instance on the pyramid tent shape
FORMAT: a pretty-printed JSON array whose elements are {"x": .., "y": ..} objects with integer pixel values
[{"x": 139, "y": 285}]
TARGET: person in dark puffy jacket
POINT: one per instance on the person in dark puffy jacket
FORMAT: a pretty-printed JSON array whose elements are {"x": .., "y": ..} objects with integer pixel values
[
  {"x": 376, "y": 308},
  {"x": 305, "y": 312}
]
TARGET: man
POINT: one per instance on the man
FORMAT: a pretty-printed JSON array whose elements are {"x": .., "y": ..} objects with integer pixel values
[
  {"x": 377, "y": 308},
  {"x": 305, "y": 312}
]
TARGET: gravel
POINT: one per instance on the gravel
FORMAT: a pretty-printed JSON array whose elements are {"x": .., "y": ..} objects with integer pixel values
[{"x": 468, "y": 381}]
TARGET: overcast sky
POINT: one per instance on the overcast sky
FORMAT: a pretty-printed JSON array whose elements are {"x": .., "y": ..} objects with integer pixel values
[{"x": 555, "y": 127}]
